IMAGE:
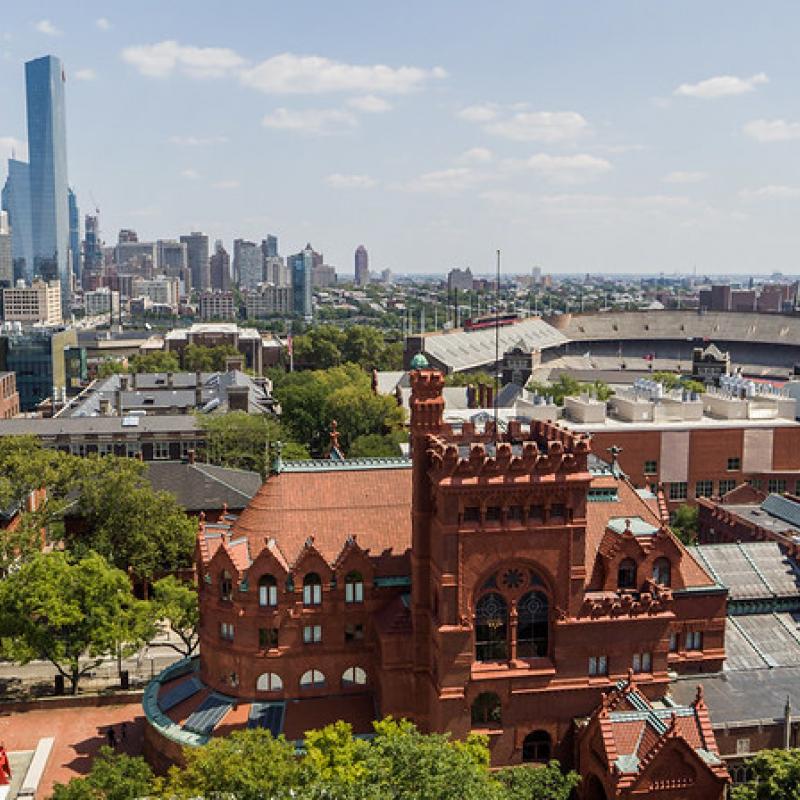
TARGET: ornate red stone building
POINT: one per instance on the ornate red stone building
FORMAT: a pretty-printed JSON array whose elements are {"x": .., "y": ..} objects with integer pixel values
[{"x": 506, "y": 582}]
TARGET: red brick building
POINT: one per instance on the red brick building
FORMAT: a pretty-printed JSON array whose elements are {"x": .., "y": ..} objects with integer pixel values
[
  {"x": 9, "y": 397},
  {"x": 503, "y": 583}
]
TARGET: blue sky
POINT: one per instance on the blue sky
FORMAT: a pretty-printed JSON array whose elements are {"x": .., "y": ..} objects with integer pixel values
[{"x": 632, "y": 136}]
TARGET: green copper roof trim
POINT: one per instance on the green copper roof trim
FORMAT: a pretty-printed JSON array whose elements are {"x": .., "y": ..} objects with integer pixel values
[
  {"x": 392, "y": 581},
  {"x": 419, "y": 361},
  {"x": 348, "y": 465}
]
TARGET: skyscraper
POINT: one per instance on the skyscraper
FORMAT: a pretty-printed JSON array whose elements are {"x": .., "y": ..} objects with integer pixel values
[
  {"x": 92, "y": 246},
  {"x": 47, "y": 151},
  {"x": 6, "y": 261},
  {"x": 75, "y": 237},
  {"x": 362, "y": 266},
  {"x": 197, "y": 257},
  {"x": 17, "y": 202},
  {"x": 269, "y": 246},
  {"x": 248, "y": 264},
  {"x": 302, "y": 270},
  {"x": 220, "y": 268}
]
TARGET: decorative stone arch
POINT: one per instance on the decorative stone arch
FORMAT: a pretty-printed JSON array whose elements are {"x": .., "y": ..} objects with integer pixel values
[
  {"x": 268, "y": 562},
  {"x": 537, "y": 747},
  {"x": 269, "y": 682}
]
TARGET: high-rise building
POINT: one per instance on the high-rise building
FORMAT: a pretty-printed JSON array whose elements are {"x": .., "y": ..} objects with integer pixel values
[
  {"x": 40, "y": 302},
  {"x": 302, "y": 271},
  {"x": 459, "y": 280},
  {"x": 248, "y": 264},
  {"x": 220, "y": 268},
  {"x": 127, "y": 235},
  {"x": 92, "y": 246},
  {"x": 16, "y": 200},
  {"x": 277, "y": 272},
  {"x": 101, "y": 301},
  {"x": 362, "y": 266},
  {"x": 74, "y": 237},
  {"x": 269, "y": 246},
  {"x": 198, "y": 260},
  {"x": 47, "y": 152},
  {"x": 6, "y": 261}
]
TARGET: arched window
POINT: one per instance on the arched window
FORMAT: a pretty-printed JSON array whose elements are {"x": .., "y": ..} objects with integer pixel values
[
  {"x": 312, "y": 679},
  {"x": 354, "y": 676},
  {"x": 269, "y": 682},
  {"x": 626, "y": 575},
  {"x": 491, "y": 628},
  {"x": 662, "y": 571},
  {"x": 536, "y": 747},
  {"x": 486, "y": 711},
  {"x": 354, "y": 588},
  {"x": 225, "y": 585},
  {"x": 533, "y": 625},
  {"x": 267, "y": 591},
  {"x": 312, "y": 590}
]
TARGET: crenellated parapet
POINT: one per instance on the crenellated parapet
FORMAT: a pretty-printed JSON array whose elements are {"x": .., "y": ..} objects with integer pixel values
[
  {"x": 653, "y": 601},
  {"x": 427, "y": 403}
]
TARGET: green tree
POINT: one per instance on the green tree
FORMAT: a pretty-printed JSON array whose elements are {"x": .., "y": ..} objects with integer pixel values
[
  {"x": 156, "y": 361},
  {"x": 363, "y": 345},
  {"x": 567, "y": 386},
  {"x": 540, "y": 783},
  {"x": 360, "y": 413},
  {"x": 239, "y": 439},
  {"x": 685, "y": 523},
  {"x": 175, "y": 602},
  {"x": 694, "y": 386},
  {"x": 113, "y": 776},
  {"x": 207, "y": 359},
  {"x": 776, "y": 776},
  {"x": 72, "y": 613},
  {"x": 669, "y": 380},
  {"x": 467, "y": 378},
  {"x": 373, "y": 445}
]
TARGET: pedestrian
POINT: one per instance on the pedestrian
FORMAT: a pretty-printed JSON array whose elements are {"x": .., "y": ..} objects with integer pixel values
[{"x": 112, "y": 736}]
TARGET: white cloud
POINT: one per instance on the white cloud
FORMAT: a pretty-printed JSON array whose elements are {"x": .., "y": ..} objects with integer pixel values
[
  {"x": 229, "y": 184},
  {"x": 773, "y": 190},
  {"x": 446, "y": 181},
  {"x": 369, "y": 104},
  {"x": 311, "y": 121},
  {"x": 47, "y": 28},
  {"x": 339, "y": 181},
  {"x": 84, "y": 74},
  {"x": 772, "y": 130},
  {"x": 540, "y": 126},
  {"x": 568, "y": 169},
  {"x": 103, "y": 23},
  {"x": 478, "y": 113},
  {"x": 191, "y": 174},
  {"x": 163, "y": 59},
  {"x": 476, "y": 155},
  {"x": 10, "y": 146},
  {"x": 197, "y": 141},
  {"x": 288, "y": 73},
  {"x": 685, "y": 177},
  {"x": 721, "y": 86}
]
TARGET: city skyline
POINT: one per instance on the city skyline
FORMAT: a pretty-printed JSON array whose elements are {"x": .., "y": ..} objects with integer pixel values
[{"x": 602, "y": 141}]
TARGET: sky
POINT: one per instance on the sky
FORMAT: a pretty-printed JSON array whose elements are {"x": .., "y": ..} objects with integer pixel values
[{"x": 625, "y": 136}]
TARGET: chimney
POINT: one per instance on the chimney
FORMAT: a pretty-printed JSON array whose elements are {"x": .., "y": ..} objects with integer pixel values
[
  {"x": 118, "y": 394},
  {"x": 198, "y": 389},
  {"x": 105, "y": 407},
  {"x": 133, "y": 380}
]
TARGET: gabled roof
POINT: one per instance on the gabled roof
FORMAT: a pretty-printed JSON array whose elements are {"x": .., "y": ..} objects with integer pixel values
[{"x": 202, "y": 487}]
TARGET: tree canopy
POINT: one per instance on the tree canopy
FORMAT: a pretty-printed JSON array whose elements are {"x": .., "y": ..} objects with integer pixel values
[
  {"x": 156, "y": 361},
  {"x": 567, "y": 386},
  {"x": 207, "y": 359},
  {"x": 175, "y": 603},
  {"x": 113, "y": 776},
  {"x": 325, "y": 346},
  {"x": 685, "y": 523},
  {"x": 775, "y": 776}
]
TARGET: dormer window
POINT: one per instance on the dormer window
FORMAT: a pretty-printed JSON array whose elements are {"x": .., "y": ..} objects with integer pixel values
[
  {"x": 662, "y": 572},
  {"x": 225, "y": 586},
  {"x": 267, "y": 591},
  {"x": 626, "y": 574},
  {"x": 354, "y": 588},
  {"x": 312, "y": 590}
]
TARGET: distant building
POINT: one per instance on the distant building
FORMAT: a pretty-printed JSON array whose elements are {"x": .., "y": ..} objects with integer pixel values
[
  {"x": 6, "y": 259},
  {"x": 277, "y": 272},
  {"x": 75, "y": 260},
  {"x": 220, "y": 268},
  {"x": 38, "y": 303},
  {"x": 210, "y": 334},
  {"x": 131, "y": 254},
  {"x": 127, "y": 236},
  {"x": 217, "y": 305},
  {"x": 362, "y": 266},
  {"x": 162, "y": 290},
  {"x": 323, "y": 276},
  {"x": 101, "y": 301},
  {"x": 198, "y": 260},
  {"x": 92, "y": 246},
  {"x": 171, "y": 257},
  {"x": 16, "y": 200},
  {"x": 268, "y": 300},
  {"x": 459, "y": 280},
  {"x": 9, "y": 397},
  {"x": 269, "y": 246},
  {"x": 302, "y": 270},
  {"x": 248, "y": 264},
  {"x": 709, "y": 363}
]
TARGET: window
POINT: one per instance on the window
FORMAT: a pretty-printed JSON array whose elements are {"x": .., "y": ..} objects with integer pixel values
[
  {"x": 742, "y": 746},
  {"x": 536, "y": 747},
  {"x": 78, "y": 449},
  {"x": 704, "y": 488},
  {"x": 598, "y": 665},
  {"x": 161, "y": 450},
  {"x": 312, "y": 590},
  {"x": 536, "y": 514},
  {"x": 267, "y": 591},
  {"x": 491, "y": 628},
  {"x": 734, "y": 464},
  {"x": 354, "y": 676},
  {"x": 755, "y": 483},
  {"x": 533, "y": 625},
  {"x": 642, "y": 662},
  {"x": 312, "y": 679},
  {"x": 267, "y": 638},
  {"x": 678, "y": 491},
  {"x": 472, "y": 514},
  {"x": 626, "y": 574},
  {"x": 514, "y": 513},
  {"x": 133, "y": 449},
  {"x": 662, "y": 570},
  {"x": 353, "y": 632},
  {"x": 558, "y": 511},
  {"x": 694, "y": 640},
  {"x": 226, "y": 631},
  {"x": 776, "y": 485},
  {"x": 493, "y": 514},
  {"x": 185, "y": 448},
  {"x": 105, "y": 448},
  {"x": 486, "y": 711},
  {"x": 651, "y": 467},
  {"x": 673, "y": 642},
  {"x": 312, "y": 634},
  {"x": 354, "y": 588},
  {"x": 726, "y": 485},
  {"x": 269, "y": 682},
  {"x": 225, "y": 586}
]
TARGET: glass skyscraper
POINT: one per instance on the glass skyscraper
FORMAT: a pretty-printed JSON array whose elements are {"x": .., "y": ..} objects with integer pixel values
[
  {"x": 75, "y": 237},
  {"x": 16, "y": 201},
  {"x": 47, "y": 152}
]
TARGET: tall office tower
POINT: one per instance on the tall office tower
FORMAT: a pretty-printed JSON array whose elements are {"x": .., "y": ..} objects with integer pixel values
[
  {"x": 197, "y": 258},
  {"x": 220, "y": 268},
  {"x": 92, "y": 246},
  {"x": 127, "y": 235},
  {"x": 47, "y": 153},
  {"x": 276, "y": 271},
  {"x": 362, "y": 266},
  {"x": 269, "y": 246},
  {"x": 302, "y": 269},
  {"x": 248, "y": 264},
  {"x": 16, "y": 200},
  {"x": 6, "y": 261},
  {"x": 75, "y": 237}
]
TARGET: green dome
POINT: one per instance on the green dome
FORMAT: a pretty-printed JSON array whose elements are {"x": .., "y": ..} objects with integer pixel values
[{"x": 419, "y": 361}]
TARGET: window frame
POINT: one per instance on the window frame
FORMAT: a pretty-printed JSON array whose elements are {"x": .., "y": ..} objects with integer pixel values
[
  {"x": 312, "y": 634},
  {"x": 650, "y": 470},
  {"x": 354, "y": 588},
  {"x": 312, "y": 589},
  {"x": 267, "y": 591},
  {"x": 598, "y": 666},
  {"x": 734, "y": 464}
]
